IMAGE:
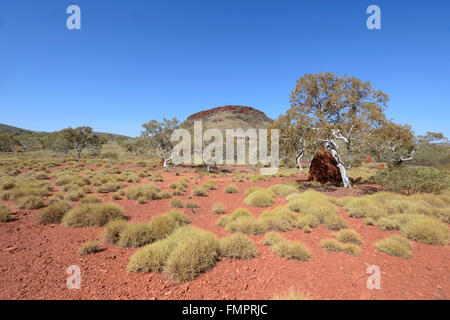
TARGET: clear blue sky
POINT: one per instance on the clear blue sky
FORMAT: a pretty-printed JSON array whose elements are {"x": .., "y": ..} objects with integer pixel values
[{"x": 134, "y": 61}]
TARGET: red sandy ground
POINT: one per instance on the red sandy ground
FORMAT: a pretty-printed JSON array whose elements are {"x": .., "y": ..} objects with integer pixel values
[{"x": 34, "y": 258}]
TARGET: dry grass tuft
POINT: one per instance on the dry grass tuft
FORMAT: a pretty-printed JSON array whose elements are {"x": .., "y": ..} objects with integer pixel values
[
  {"x": 395, "y": 246},
  {"x": 89, "y": 247},
  {"x": 238, "y": 246}
]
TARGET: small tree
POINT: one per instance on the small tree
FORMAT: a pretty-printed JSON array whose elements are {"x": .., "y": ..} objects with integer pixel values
[
  {"x": 342, "y": 114},
  {"x": 81, "y": 138},
  {"x": 155, "y": 140}
]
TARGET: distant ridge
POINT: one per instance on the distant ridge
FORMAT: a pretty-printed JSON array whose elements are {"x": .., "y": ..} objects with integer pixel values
[{"x": 16, "y": 131}]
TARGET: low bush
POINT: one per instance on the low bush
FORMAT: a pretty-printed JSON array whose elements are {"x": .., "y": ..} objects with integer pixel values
[
  {"x": 91, "y": 199},
  {"x": 89, "y": 248},
  {"x": 349, "y": 236},
  {"x": 54, "y": 212},
  {"x": 92, "y": 214},
  {"x": 218, "y": 208},
  {"x": 426, "y": 230},
  {"x": 252, "y": 189},
  {"x": 182, "y": 256},
  {"x": 232, "y": 188},
  {"x": 5, "y": 213},
  {"x": 259, "y": 199},
  {"x": 144, "y": 191},
  {"x": 271, "y": 238},
  {"x": 331, "y": 245},
  {"x": 334, "y": 222},
  {"x": 176, "y": 203},
  {"x": 29, "y": 202},
  {"x": 279, "y": 219},
  {"x": 139, "y": 234},
  {"x": 75, "y": 194},
  {"x": 113, "y": 230},
  {"x": 199, "y": 192},
  {"x": 351, "y": 248},
  {"x": 411, "y": 179},
  {"x": 246, "y": 224},
  {"x": 191, "y": 204},
  {"x": 283, "y": 189},
  {"x": 291, "y": 250},
  {"x": 238, "y": 246},
  {"x": 136, "y": 235},
  {"x": 108, "y": 187},
  {"x": 395, "y": 246}
]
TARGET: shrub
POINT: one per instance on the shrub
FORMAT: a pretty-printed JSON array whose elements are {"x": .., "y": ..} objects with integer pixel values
[
  {"x": 199, "y": 192},
  {"x": 91, "y": 199},
  {"x": 283, "y": 189},
  {"x": 29, "y": 202},
  {"x": 194, "y": 255},
  {"x": 291, "y": 250},
  {"x": 139, "y": 234},
  {"x": 331, "y": 245},
  {"x": 218, "y": 208},
  {"x": 136, "y": 235},
  {"x": 191, "y": 204},
  {"x": 144, "y": 191},
  {"x": 238, "y": 246},
  {"x": 89, "y": 248},
  {"x": 252, "y": 189},
  {"x": 164, "y": 194},
  {"x": 232, "y": 188},
  {"x": 426, "y": 230},
  {"x": 75, "y": 194},
  {"x": 349, "y": 236},
  {"x": 5, "y": 213},
  {"x": 259, "y": 199},
  {"x": 108, "y": 187},
  {"x": 182, "y": 255},
  {"x": 279, "y": 219},
  {"x": 176, "y": 203},
  {"x": 307, "y": 220},
  {"x": 334, "y": 222},
  {"x": 158, "y": 178},
  {"x": 395, "y": 246},
  {"x": 92, "y": 214},
  {"x": 411, "y": 179},
  {"x": 54, "y": 212},
  {"x": 351, "y": 248},
  {"x": 113, "y": 230},
  {"x": 271, "y": 238},
  {"x": 247, "y": 225},
  {"x": 387, "y": 224}
]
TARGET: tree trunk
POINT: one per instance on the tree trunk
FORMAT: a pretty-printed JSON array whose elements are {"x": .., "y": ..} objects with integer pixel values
[
  {"x": 340, "y": 165},
  {"x": 298, "y": 158},
  {"x": 165, "y": 163}
]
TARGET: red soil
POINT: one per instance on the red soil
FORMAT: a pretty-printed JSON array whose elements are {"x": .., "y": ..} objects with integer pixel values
[{"x": 34, "y": 258}]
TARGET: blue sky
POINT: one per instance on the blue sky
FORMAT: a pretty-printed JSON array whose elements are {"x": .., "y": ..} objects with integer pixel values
[{"x": 133, "y": 61}]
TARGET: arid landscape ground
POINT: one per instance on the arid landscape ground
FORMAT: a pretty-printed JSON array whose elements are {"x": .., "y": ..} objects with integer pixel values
[{"x": 34, "y": 256}]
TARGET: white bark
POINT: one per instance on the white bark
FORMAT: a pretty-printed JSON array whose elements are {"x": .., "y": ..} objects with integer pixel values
[{"x": 332, "y": 147}]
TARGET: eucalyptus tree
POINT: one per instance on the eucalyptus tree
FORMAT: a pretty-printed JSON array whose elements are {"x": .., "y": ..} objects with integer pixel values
[
  {"x": 81, "y": 138},
  {"x": 155, "y": 140},
  {"x": 345, "y": 116}
]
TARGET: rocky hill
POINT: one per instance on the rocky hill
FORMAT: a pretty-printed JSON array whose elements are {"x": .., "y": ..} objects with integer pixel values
[{"x": 229, "y": 117}]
